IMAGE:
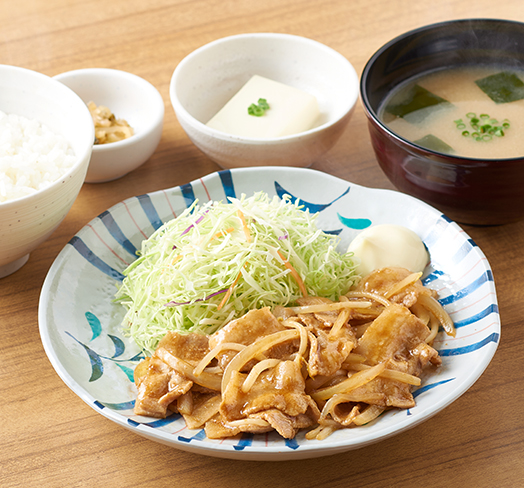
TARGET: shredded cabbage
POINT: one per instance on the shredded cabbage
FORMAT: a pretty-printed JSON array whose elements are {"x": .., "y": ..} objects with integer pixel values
[{"x": 217, "y": 261}]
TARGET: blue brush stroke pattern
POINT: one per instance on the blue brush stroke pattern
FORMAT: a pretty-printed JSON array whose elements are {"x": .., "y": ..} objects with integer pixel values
[
  {"x": 245, "y": 441},
  {"x": 119, "y": 345},
  {"x": 128, "y": 372},
  {"x": 155, "y": 424},
  {"x": 150, "y": 210},
  {"x": 292, "y": 444},
  {"x": 227, "y": 183},
  {"x": 97, "y": 368},
  {"x": 137, "y": 357},
  {"x": 424, "y": 388},
  {"x": 435, "y": 275},
  {"x": 94, "y": 323},
  {"x": 312, "y": 207},
  {"x": 437, "y": 231},
  {"x": 114, "y": 229},
  {"x": 200, "y": 436},
  {"x": 188, "y": 194},
  {"x": 494, "y": 337},
  {"x": 463, "y": 251},
  {"x": 357, "y": 224},
  {"x": 479, "y": 316},
  {"x": 90, "y": 256},
  {"x": 468, "y": 245},
  {"x": 116, "y": 406},
  {"x": 467, "y": 290}
]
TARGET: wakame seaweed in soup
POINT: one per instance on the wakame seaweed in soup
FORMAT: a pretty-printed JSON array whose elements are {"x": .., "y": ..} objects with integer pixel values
[
  {"x": 475, "y": 112},
  {"x": 503, "y": 87}
]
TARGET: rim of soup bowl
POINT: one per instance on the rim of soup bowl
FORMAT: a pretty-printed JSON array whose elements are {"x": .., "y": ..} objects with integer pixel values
[{"x": 373, "y": 116}]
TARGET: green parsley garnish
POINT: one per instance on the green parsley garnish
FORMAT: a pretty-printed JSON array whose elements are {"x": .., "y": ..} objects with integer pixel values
[
  {"x": 258, "y": 109},
  {"x": 483, "y": 128}
]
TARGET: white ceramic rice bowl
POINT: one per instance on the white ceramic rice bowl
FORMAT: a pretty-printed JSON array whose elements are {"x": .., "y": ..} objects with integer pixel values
[
  {"x": 28, "y": 221},
  {"x": 208, "y": 77}
]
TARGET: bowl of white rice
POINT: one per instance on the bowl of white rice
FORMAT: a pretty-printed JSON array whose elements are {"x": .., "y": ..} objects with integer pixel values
[{"x": 46, "y": 139}]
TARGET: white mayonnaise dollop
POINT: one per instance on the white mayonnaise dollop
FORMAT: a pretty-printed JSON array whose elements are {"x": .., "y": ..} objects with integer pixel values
[{"x": 387, "y": 246}]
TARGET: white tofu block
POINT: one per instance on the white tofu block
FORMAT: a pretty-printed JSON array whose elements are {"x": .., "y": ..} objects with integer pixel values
[{"x": 290, "y": 111}]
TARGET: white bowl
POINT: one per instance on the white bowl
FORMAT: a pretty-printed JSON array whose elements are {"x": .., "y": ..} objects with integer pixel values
[
  {"x": 81, "y": 325},
  {"x": 129, "y": 97},
  {"x": 207, "y": 78},
  {"x": 26, "y": 222}
]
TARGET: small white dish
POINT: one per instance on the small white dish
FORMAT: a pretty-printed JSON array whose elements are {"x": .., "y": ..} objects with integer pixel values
[
  {"x": 28, "y": 221},
  {"x": 129, "y": 97},
  {"x": 207, "y": 78},
  {"x": 80, "y": 326}
]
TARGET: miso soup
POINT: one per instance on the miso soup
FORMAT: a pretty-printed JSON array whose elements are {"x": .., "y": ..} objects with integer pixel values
[{"x": 475, "y": 112}]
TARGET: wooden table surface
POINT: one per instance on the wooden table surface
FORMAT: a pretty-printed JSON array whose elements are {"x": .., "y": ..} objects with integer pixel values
[{"x": 50, "y": 438}]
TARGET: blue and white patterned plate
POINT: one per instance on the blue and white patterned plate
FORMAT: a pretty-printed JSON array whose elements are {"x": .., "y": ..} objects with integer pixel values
[{"x": 80, "y": 326}]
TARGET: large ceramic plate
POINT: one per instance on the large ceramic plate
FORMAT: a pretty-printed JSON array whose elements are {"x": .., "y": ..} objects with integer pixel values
[{"x": 80, "y": 325}]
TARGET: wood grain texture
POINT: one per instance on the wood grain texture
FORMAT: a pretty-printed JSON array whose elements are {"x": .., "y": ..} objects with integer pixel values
[{"x": 50, "y": 438}]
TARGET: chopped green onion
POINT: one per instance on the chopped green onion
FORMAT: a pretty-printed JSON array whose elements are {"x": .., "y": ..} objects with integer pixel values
[
  {"x": 258, "y": 109},
  {"x": 485, "y": 131},
  {"x": 460, "y": 124}
]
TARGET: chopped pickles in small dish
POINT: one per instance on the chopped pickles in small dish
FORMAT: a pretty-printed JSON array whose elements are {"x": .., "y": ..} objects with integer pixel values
[{"x": 128, "y": 115}]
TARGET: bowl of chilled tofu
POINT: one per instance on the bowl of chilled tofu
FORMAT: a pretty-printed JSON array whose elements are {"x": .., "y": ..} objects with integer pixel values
[{"x": 264, "y": 99}]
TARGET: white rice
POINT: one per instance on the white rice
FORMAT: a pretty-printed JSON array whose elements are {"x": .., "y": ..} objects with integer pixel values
[{"x": 31, "y": 156}]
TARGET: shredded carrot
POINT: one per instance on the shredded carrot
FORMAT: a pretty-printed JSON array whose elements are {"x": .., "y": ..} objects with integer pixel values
[
  {"x": 242, "y": 217},
  {"x": 222, "y": 232},
  {"x": 176, "y": 259},
  {"x": 228, "y": 292},
  {"x": 294, "y": 273}
]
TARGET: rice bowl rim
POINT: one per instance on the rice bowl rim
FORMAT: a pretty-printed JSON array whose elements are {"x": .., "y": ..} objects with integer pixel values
[{"x": 82, "y": 156}]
